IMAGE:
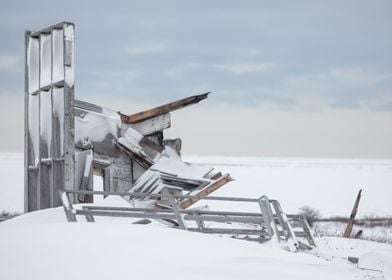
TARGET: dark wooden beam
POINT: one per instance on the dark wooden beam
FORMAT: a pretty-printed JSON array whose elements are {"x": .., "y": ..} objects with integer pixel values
[
  {"x": 350, "y": 223},
  {"x": 163, "y": 109}
]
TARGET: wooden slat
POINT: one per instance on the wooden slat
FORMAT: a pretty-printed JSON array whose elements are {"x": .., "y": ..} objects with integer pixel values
[
  {"x": 143, "y": 161},
  {"x": 160, "y": 110},
  {"x": 146, "y": 142},
  {"x": 152, "y": 125},
  {"x": 213, "y": 187}
]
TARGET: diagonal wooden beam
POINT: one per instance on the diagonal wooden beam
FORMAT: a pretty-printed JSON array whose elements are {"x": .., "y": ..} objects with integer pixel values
[
  {"x": 350, "y": 223},
  {"x": 163, "y": 109},
  {"x": 206, "y": 191},
  {"x": 143, "y": 161}
]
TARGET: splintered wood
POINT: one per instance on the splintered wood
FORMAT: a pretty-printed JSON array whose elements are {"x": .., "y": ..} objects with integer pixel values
[
  {"x": 160, "y": 110},
  {"x": 203, "y": 193},
  {"x": 164, "y": 169}
]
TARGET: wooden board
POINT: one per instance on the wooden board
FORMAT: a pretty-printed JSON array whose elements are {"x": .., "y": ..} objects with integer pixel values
[
  {"x": 213, "y": 187},
  {"x": 152, "y": 125},
  {"x": 160, "y": 110}
]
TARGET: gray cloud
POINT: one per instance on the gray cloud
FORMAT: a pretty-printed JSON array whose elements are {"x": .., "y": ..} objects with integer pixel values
[
  {"x": 300, "y": 56},
  {"x": 147, "y": 48},
  {"x": 10, "y": 63}
]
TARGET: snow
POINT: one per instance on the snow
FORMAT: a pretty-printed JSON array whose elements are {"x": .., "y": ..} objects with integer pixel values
[
  {"x": 379, "y": 261},
  {"x": 43, "y": 245},
  {"x": 376, "y": 233},
  {"x": 58, "y": 114},
  {"x": 34, "y": 126},
  {"x": 329, "y": 185},
  {"x": 58, "y": 55},
  {"x": 171, "y": 162},
  {"x": 46, "y": 123},
  {"x": 46, "y": 60},
  {"x": 69, "y": 60},
  {"x": 33, "y": 64},
  {"x": 131, "y": 140},
  {"x": 96, "y": 126}
]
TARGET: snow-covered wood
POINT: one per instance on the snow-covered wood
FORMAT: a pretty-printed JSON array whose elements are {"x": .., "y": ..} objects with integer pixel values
[{"x": 151, "y": 125}]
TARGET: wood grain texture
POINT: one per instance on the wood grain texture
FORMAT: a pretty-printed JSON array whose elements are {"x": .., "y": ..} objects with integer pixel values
[{"x": 163, "y": 109}]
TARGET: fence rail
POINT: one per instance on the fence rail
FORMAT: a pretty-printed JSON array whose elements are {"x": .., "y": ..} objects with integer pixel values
[{"x": 270, "y": 222}]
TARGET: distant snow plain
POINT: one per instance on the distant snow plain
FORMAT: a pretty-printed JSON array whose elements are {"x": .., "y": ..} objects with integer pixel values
[{"x": 328, "y": 185}]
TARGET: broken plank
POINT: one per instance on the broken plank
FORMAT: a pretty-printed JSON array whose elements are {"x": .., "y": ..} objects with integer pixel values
[
  {"x": 163, "y": 109},
  {"x": 143, "y": 161},
  {"x": 213, "y": 187},
  {"x": 146, "y": 142},
  {"x": 152, "y": 125}
]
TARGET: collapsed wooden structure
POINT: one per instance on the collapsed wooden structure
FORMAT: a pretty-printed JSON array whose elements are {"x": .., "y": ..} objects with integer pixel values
[{"x": 68, "y": 141}]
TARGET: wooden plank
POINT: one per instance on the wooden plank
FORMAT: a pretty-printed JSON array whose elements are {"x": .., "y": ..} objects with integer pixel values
[
  {"x": 28, "y": 199},
  {"x": 152, "y": 125},
  {"x": 213, "y": 187},
  {"x": 88, "y": 106},
  {"x": 146, "y": 142},
  {"x": 143, "y": 161},
  {"x": 163, "y": 109},
  {"x": 350, "y": 224}
]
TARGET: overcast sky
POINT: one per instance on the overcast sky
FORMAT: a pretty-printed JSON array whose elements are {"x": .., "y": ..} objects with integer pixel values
[{"x": 288, "y": 78}]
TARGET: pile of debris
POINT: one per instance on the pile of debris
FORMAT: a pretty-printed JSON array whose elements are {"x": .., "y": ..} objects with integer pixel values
[
  {"x": 156, "y": 164},
  {"x": 68, "y": 141}
]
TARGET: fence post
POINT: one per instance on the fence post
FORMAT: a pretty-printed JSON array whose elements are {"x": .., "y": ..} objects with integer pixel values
[
  {"x": 71, "y": 217},
  {"x": 269, "y": 220}
]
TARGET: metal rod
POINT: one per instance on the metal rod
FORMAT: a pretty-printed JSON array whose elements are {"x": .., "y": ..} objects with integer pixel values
[{"x": 132, "y": 194}]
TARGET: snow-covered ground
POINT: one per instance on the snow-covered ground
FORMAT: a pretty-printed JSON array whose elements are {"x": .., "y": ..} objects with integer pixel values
[
  {"x": 381, "y": 233},
  {"x": 329, "y": 185},
  {"x": 42, "y": 245}
]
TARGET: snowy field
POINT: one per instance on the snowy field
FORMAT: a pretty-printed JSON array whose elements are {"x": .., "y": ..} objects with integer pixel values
[
  {"x": 42, "y": 245},
  {"x": 328, "y": 185}
]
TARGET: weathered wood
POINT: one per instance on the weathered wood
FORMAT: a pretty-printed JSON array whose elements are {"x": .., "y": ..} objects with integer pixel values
[
  {"x": 216, "y": 176},
  {"x": 88, "y": 106},
  {"x": 146, "y": 142},
  {"x": 143, "y": 161},
  {"x": 203, "y": 193},
  {"x": 152, "y": 125},
  {"x": 350, "y": 224},
  {"x": 27, "y": 196},
  {"x": 163, "y": 109}
]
